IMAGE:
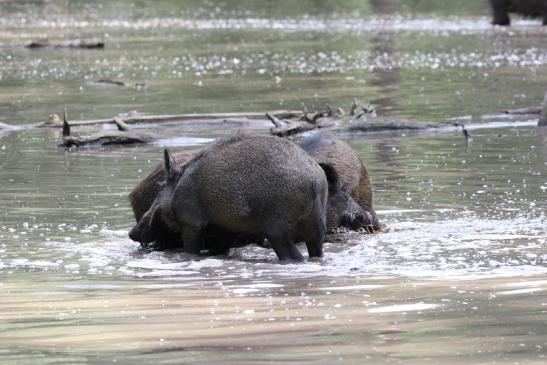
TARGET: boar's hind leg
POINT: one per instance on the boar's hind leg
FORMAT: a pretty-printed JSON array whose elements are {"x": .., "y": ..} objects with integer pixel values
[
  {"x": 284, "y": 247},
  {"x": 312, "y": 232}
]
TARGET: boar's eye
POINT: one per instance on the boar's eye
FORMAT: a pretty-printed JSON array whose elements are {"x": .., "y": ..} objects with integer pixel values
[{"x": 344, "y": 188}]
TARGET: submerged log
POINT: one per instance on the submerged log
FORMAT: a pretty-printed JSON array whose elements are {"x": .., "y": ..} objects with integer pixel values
[
  {"x": 120, "y": 137},
  {"x": 108, "y": 138},
  {"x": 381, "y": 125},
  {"x": 108, "y": 82},
  {"x": 523, "y": 111},
  {"x": 83, "y": 44}
]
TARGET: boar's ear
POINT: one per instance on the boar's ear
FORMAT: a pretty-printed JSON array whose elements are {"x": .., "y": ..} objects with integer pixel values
[
  {"x": 170, "y": 164},
  {"x": 332, "y": 177}
]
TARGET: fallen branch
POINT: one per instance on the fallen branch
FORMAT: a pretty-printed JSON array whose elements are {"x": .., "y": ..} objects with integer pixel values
[
  {"x": 68, "y": 44},
  {"x": 108, "y": 138},
  {"x": 122, "y": 136},
  {"x": 381, "y": 125},
  {"x": 523, "y": 111},
  {"x": 122, "y": 126},
  {"x": 108, "y": 82},
  {"x": 285, "y": 128},
  {"x": 53, "y": 122},
  {"x": 276, "y": 122}
]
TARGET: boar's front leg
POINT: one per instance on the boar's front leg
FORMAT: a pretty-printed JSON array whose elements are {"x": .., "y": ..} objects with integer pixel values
[
  {"x": 284, "y": 247},
  {"x": 192, "y": 239}
]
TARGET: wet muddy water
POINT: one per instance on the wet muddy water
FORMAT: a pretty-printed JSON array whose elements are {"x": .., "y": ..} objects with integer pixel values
[{"x": 461, "y": 278}]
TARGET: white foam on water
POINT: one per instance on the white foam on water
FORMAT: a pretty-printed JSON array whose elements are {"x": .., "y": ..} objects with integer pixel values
[
  {"x": 521, "y": 291},
  {"x": 264, "y": 285},
  {"x": 403, "y": 308},
  {"x": 351, "y": 287},
  {"x": 39, "y": 264},
  {"x": 527, "y": 283},
  {"x": 245, "y": 291},
  {"x": 91, "y": 286},
  {"x": 50, "y": 293},
  {"x": 208, "y": 263},
  {"x": 448, "y": 247},
  {"x": 166, "y": 286}
]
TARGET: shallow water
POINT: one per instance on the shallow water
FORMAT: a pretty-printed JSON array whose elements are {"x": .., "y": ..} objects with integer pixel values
[{"x": 461, "y": 277}]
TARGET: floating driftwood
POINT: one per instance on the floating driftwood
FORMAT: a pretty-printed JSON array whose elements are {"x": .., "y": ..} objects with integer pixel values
[
  {"x": 540, "y": 110},
  {"x": 106, "y": 138},
  {"x": 122, "y": 126},
  {"x": 108, "y": 82},
  {"x": 361, "y": 118},
  {"x": 523, "y": 111},
  {"x": 55, "y": 120},
  {"x": 122, "y": 136},
  {"x": 287, "y": 127},
  {"x": 380, "y": 125},
  {"x": 306, "y": 121},
  {"x": 67, "y": 44}
]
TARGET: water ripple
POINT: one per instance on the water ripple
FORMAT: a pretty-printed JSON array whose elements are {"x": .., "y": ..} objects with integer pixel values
[{"x": 311, "y": 24}]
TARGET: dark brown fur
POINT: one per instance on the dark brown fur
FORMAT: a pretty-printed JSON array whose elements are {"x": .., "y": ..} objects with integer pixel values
[
  {"x": 144, "y": 194},
  {"x": 323, "y": 149},
  {"x": 257, "y": 185},
  {"x": 347, "y": 163}
]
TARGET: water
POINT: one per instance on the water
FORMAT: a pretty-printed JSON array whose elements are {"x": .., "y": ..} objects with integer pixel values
[{"x": 461, "y": 277}]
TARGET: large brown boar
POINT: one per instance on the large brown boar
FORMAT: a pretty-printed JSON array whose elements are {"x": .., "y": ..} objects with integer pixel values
[{"x": 254, "y": 185}]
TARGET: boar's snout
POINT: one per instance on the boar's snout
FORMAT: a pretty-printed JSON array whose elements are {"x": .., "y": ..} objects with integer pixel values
[
  {"x": 356, "y": 219},
  {"x": 359, "y": 220},
  {"x": 140, "y": 233},
  {"x": 135, "y": 233},
  {"x": 145, "y": 230}
]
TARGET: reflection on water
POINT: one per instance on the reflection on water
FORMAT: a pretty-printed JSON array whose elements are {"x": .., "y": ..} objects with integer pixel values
[
  {"x": 464, "y": 265},
  {"x": 459, "y": 279},
  {"x": 342, "y": 320}
]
